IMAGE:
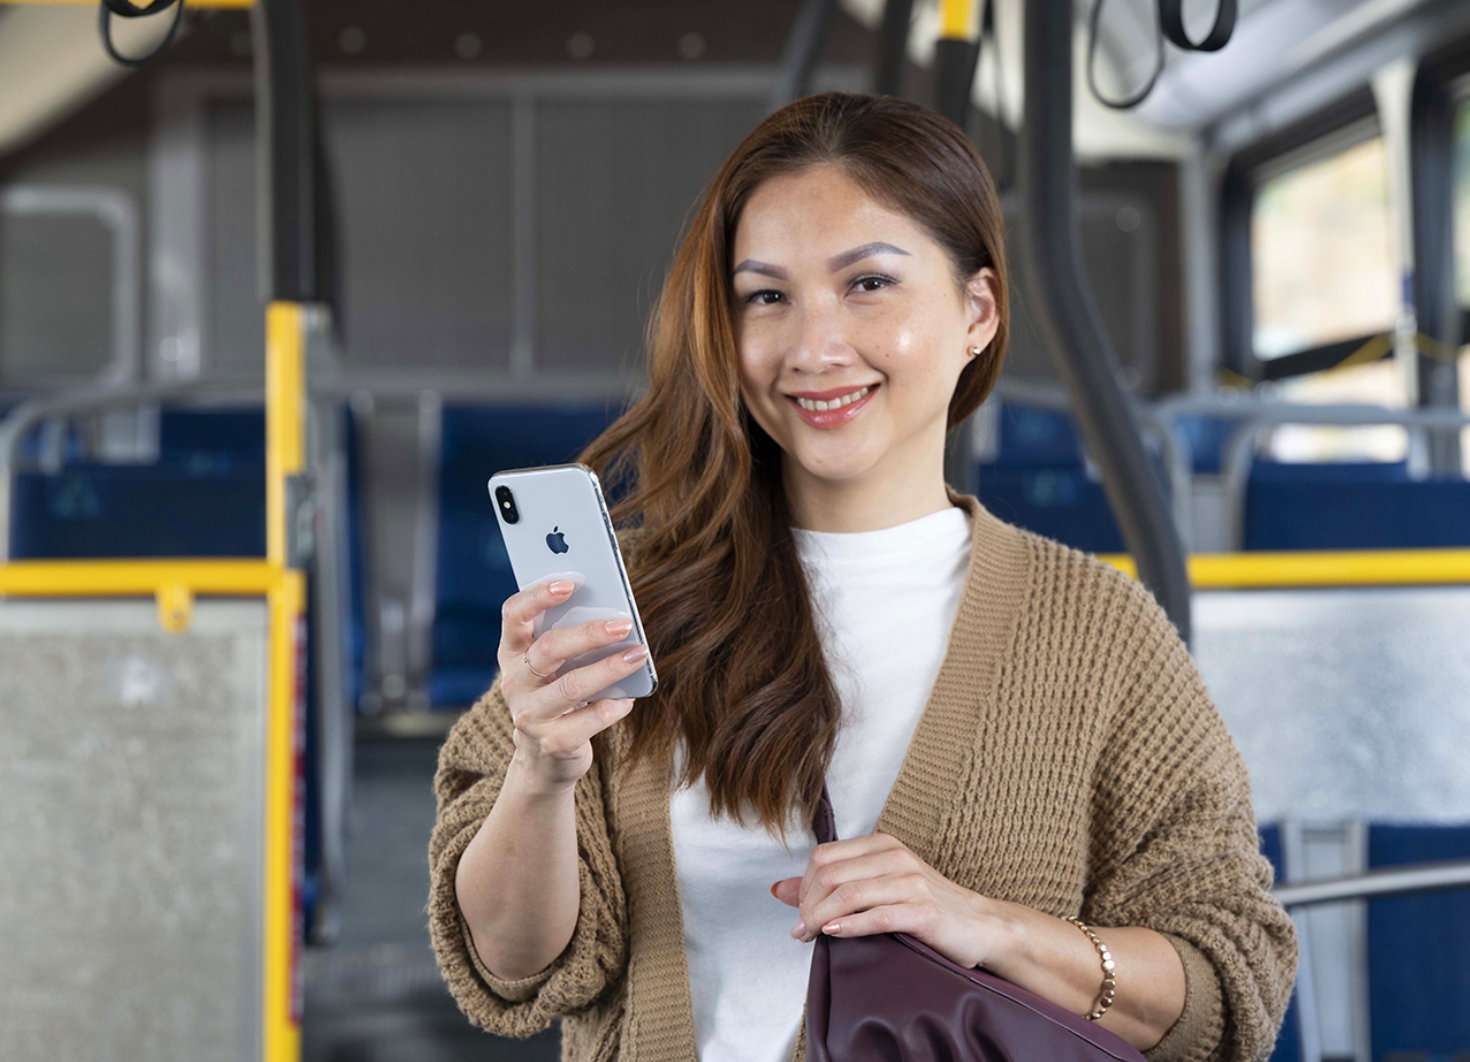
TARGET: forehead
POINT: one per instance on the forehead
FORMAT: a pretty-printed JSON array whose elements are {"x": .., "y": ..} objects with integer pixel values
[{"x": 815, "y": 213}]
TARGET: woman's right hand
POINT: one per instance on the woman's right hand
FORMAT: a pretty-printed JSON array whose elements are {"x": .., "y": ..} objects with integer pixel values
[{"x": 554, "y": 723}]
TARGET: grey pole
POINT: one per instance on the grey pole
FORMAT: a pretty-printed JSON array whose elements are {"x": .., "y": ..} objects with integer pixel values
[
  {"x": 1069, "y": 319},
  {"x": 893, "y": 41},
  {"x": 803, "y": 49}
]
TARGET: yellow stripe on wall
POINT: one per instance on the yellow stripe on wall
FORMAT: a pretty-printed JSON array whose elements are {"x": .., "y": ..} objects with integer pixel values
[{"x": 1290, "y": 568}]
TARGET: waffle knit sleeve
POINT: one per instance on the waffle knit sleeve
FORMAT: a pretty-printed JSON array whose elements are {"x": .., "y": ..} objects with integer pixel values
[
  {"x": 1176, "y": 848},
  {"x": 472, "y": 766}
]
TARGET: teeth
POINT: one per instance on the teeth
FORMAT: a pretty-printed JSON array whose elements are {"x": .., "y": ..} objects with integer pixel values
[{"x": 815, "y": 406}]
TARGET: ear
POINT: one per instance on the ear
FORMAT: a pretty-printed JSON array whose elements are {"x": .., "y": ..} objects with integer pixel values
[{"x": 982, "y": 303}]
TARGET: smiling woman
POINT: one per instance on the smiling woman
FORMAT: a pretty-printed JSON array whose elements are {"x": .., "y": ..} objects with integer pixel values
[{"x": 1012, "y": 732}]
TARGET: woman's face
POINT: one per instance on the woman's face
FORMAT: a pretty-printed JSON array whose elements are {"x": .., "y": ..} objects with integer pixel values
[{"x": 834, "y": 293}]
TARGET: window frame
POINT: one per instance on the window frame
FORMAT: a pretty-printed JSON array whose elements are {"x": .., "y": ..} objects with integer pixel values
[{"x": 1441, "y": 88}]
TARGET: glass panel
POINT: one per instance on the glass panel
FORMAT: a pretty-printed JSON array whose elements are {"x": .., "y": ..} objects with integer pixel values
[
  {"x": 1322, "y": 252},
  {"x": 1378, "y": 383}
]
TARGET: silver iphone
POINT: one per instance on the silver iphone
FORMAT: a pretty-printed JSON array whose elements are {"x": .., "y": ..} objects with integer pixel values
[{"x": 555, "y": 524}]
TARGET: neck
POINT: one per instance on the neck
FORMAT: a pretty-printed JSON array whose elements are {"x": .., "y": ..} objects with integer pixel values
[{"x": 869, "y": 502}]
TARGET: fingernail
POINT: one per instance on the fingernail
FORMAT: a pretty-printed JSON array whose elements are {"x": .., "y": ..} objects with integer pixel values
[
  {"x": 622, "y": 626},
  {"x": 798, "y": 929},
  {"x": 560, "y": 587},
  {"x": 831, "y": 927},
  {"x": 638, "y": 652},
  {"x": 773, "y": 889}
]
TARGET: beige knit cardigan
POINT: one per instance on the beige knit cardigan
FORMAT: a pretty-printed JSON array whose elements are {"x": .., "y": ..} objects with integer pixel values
[{"x": 1068, "y": 758}]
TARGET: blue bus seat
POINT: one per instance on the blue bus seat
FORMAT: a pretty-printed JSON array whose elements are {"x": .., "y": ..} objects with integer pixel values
[
  {"x": 1038, "y": 480},
  {"x": 1368, "y": 505},
  {"x": 1419, "y": 948},
  {"x": 474, "y": 576},
  {"x": 239, "y": 433},
  {"x": 1031, "y": 437},
  {"x": 206, "y": 507},
  {"x": 203, "y": 497},
  {"x": 1207, "y": 437},
  {"x": 1058, "y": 502}
]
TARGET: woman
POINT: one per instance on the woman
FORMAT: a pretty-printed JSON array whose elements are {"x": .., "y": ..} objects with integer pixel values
[{"x": 1011, "y": 731}]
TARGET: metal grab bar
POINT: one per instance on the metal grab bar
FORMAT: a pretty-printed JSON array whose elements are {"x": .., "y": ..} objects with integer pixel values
[{"x": 1395, "y": 881}]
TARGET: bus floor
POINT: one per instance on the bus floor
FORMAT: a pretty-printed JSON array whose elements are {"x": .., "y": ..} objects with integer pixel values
[{"x": 376, "y": 994}]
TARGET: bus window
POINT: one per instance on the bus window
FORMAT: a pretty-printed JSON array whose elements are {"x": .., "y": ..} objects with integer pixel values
[
  {"x": 1322, "y": 268},
  {"x": 1322, "y": 256}
]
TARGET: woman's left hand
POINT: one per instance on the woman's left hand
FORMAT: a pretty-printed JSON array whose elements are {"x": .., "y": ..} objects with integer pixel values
[{"x": 875, "y": 884}]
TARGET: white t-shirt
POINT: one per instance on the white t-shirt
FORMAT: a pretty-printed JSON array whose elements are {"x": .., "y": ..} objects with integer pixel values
[{"x": 885, "y": 602}]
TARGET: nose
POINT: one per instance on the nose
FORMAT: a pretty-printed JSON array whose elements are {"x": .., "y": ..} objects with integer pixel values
[{"x": 820, "y": 342}]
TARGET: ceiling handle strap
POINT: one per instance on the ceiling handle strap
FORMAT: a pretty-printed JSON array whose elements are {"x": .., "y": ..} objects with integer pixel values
[
  {"x": 125, "y": 9},
  {"x": 1171, "y": 19}
]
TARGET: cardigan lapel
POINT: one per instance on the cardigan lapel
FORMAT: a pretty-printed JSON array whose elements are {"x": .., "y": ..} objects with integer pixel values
[
  {"x": 660, "y": 1011},
  {"x": 984, "y": 626}
]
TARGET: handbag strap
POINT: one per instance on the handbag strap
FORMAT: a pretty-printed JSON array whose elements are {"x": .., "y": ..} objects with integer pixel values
[{"x": 824, "y": 821}]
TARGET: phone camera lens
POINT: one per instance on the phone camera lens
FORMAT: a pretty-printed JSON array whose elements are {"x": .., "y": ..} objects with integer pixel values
[{"x": 507, "y": 504}]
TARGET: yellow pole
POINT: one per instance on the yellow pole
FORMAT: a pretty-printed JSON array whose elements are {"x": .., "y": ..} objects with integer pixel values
[{"x": 285, "y": 442}]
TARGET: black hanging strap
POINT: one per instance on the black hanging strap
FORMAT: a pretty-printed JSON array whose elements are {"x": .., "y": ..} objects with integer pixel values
[
  {"x": 1171, "y": 19},
  {"x": 126, "y": 9}
]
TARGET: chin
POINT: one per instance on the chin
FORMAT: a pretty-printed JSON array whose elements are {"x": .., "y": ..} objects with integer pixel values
[{"x": 836, "y": 471}]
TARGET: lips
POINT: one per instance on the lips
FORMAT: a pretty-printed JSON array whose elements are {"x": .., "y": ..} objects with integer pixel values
[{"x": 833, "y": 418}]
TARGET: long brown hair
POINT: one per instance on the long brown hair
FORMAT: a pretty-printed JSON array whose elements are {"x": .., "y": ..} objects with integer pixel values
[{"x": 721, "y": 592}]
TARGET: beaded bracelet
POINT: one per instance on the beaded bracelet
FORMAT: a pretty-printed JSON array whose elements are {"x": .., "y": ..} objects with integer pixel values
[{"x": 1109, "y": 980}]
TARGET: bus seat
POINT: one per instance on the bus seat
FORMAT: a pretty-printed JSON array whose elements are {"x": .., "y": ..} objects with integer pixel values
[
  {"x": 1028, "y": 436},
  {"x": 1059, "y": 502},
  {"x": 1353, "y": 506},
  {"x": 1207, "y": 437},
  {"x": 1419, "y": 948}
]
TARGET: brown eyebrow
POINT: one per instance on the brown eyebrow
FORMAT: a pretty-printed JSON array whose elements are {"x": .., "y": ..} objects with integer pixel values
[{"x": 836, "y": 262}]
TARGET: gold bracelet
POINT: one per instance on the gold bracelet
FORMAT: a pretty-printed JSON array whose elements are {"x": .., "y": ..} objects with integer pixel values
[{"x": 1109, "y": 979}]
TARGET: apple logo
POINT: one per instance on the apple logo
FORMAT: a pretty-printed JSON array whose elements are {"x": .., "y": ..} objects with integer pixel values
[{"x": 556, "y": 541}]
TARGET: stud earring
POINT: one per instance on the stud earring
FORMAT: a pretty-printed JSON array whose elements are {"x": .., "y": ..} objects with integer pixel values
[{"x": 974, "y": 351}]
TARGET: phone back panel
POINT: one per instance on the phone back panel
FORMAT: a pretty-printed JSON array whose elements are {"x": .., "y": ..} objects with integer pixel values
[{"x": 563, "y": 532}]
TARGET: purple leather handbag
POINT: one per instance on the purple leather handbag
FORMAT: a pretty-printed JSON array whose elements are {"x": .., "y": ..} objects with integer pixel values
[{"x": 890, "y": 997}]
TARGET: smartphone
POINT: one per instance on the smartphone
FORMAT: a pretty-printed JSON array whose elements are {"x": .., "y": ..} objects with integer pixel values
[{"x": 555, "y": 524}]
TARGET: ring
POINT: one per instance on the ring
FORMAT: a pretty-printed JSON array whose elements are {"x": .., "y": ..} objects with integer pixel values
[{"x": 527, "y": 661}]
